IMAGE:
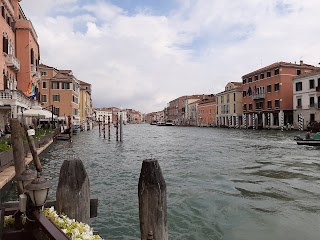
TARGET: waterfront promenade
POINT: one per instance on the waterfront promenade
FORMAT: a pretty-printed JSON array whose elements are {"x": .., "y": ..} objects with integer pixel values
[{"x": 7, "y": 174}]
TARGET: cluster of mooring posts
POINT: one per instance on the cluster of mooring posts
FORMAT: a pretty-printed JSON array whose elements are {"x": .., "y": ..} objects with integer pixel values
[
  {"x": 118, "y": 125},
  {"x": 74, "y": 184}
]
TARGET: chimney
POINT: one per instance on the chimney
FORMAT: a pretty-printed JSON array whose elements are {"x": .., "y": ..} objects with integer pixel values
[{"x": 301, "y": 62}]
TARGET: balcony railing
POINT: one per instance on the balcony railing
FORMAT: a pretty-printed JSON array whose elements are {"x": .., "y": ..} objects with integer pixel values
[
  {"x": 312, "y": 105},
  {"x": 258, "y": 96},
  {"x": 33, "y": 69},
  {"x": 14, "y": 98},
  {"x": 299, "y": 106},
  {"x": 13, "y": 62}
]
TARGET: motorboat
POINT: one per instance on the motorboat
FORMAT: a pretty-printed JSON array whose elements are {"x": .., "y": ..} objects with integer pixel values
[
  {"x": 154, "y": 122},
  {"x": 310, "y": 141},
  {"x": 169, "y": 123},
  {"x": 160, "y": 123}
]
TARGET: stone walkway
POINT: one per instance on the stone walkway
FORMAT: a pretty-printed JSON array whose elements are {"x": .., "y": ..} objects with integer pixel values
[{"x": 7, "y": 174}]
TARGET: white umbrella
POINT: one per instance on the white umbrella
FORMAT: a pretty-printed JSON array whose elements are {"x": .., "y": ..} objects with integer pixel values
[{"x": 35, "y": 112}]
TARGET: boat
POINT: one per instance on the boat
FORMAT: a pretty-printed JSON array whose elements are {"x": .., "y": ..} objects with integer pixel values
[
  {"x": 169, "y": 123},
  {"x": 154, "y": 122},
  {"x": 312, "y": 141},
  {"x": 62, "y": 136},
  {"x": 160, "y": 123}
]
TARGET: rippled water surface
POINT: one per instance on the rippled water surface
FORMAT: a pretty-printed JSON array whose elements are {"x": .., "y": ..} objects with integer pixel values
[{"x": 221, "y": 183}]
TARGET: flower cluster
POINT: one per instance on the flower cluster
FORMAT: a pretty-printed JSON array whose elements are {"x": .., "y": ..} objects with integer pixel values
[{"x": 75, "y": 230}]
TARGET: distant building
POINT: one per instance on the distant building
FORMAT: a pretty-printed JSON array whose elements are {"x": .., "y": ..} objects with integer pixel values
[
  {"x": 86, "y": 111},
  {"x": 60, "y": 92},
  {"x": 229, "y": 105},
  {"x": 268, "y": 94},
  {"x": 306, "y": 98},
  {"x": 207, "y": 112}
]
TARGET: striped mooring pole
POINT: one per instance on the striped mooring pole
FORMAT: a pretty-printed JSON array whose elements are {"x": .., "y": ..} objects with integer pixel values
[
  {"x": 253, "y": 121},
  {"x": 282, "y": 122},
  {"x": 268, "y": 120},
  {"x": 237, "y": 122}
]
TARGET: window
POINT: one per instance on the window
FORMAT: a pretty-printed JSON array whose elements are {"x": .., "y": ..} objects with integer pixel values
[
  {"x": 311, "y": 100},
  {"x": 74, "y": 99},
  {"x": 256, "y": 77},
  {"x": 257, "y": 105},
  {"x": 298, "y": 86},
  {"x": 250, "y": 79},
  {"x": 311, "y": 83},
  {"x": 75, "y": 111},
  {"x": 268, "y": 74},
  {"x": 234, "y": 108},
  {"x": 269, "y": 88},
  {"x": 217, "y": 110},
  {"x": 56, "y": 111},
  {"x": 277, "y": 103},
  {"x": 221, "y": 99},
  {"x": 3, "y": 12},
  {"x": 32, "y": 56},
  {"x": 312, "y": 117},
  {"x": 276, "y": 87},
  {"x": 269, "y": 104},
  {"x": 298, "y": 72},
  {"x": 44, "y": 98},
  {"x": 43, "y": 73},
  {"x": 228, "y": 98},
  {"x": 5, "y": 44},
  {"x": 65, "y": 85},
  {"x": 244, "y": 93},
  {"x": 244, "y": 81},
  {"x": 299, "y": 103},
  {"x": 276, "y": 71},
  {"x": 44, "y": 85},
  {"x": 250, "y": 106},
  {"x": 262, "y": 76},
  {"x": 55, "y": 85},
  {"x": 245, "y": 107},
  {"x": 56, "y": 97},
  {"x": 234, "y": 97}
]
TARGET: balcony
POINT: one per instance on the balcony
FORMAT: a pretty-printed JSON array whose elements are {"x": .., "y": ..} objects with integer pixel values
[
  {"x": 312, "y": 105},
  {"x": 14, "y": 98},
  {"x": 13, "y": 63},
  {"x": 258, "y": 96},
  {"x": 298, "y": 106},
  {"x": 33, "y": 69}
]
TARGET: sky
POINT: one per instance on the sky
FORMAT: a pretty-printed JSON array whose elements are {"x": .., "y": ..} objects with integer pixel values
[{"x": 141, "y": 54}]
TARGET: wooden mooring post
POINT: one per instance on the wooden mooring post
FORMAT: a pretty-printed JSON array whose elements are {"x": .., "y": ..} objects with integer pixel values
[
  {"x": 117, "y": 128},
  {"x": 152, "y": 195},
  {"x": 104, "y": 127},
  {"x": 109, "y": 127},
  {"x": 73, "y": 192},
  {"x": 99, "y": 127},
  {"x": 18, "y": 148}
]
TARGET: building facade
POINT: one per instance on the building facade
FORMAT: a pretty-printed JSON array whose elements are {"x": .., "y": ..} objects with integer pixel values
[
  {"x": 60, "y": 92},
  {"x": 268, "y": 94},
  {"x": 85, "y": 105},
  {"x": 306, "y": 98},
  {"x": 229, "y": 106},
  {"x": 207, "y": 112},
  {"x": 18, "y": 84}
]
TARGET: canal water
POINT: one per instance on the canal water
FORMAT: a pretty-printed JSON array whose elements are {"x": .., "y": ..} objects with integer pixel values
[{"x": 221, "y": 183}]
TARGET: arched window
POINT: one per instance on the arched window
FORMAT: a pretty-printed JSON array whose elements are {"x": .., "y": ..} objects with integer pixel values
[{"x": 32, "y": 56}]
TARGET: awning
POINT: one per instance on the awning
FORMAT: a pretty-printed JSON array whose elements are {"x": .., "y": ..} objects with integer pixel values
[{"x": 37, "y": 112}]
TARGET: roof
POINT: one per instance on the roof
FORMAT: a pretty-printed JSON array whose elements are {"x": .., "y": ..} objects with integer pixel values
[
  {"x": 60, "y": 75},
  {"x": 307, "y": 74},
  {"x": 83, "y": 83},
  {"x": 281, "y": 64}
]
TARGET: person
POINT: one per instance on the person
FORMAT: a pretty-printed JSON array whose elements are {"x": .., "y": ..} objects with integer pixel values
[
  {"x": 7, "y": 129},
  {"x": 308, "y": 135}
]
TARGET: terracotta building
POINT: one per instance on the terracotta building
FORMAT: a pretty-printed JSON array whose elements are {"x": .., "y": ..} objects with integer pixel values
[
  {"x": 268, "y": 94},
  {"x": 207, "y": 112},
  {"x": 60, "y": 91},
  {"x": 306, "y": 98},
  {"x": 229, "y": 105},
  {"x": 19, "y": 81}
]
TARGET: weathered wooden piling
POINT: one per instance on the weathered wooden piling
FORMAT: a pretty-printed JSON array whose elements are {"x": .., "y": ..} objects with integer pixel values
[
  {"x": 121, "y": 127},
  {"x": 109, "y": 127},
  {"x": 152, "y": 195},
  {"x": 70, "y": 128},
  {"x": 99, "y": 128},
  {"x": 17, "y": 148},
  {"x": 104, "y": 127},
  {"x": 117, "y": 128},
  {"x": 33, "y": 150},
  {"x": 73, "y": 192}
]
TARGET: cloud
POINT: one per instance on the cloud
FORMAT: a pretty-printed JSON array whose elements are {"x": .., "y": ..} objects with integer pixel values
[{"x": 142, "y": 60}]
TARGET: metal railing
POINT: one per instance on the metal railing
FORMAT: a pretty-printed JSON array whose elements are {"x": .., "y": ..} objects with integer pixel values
[{"x": 258, "y": 96}]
